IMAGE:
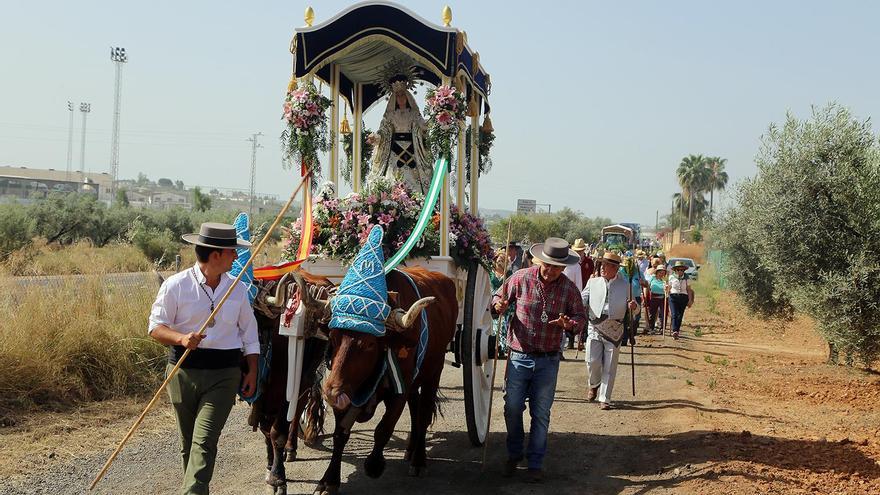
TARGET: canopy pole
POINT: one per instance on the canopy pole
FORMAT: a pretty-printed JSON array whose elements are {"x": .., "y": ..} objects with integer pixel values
[
  {"x": 357, "y": 112},
  {"x": 460, "y": 167},
  {"x": 333, "y": 172},
  {"x": 444, "y": 199},
  {"x": 475, "y": 164}
]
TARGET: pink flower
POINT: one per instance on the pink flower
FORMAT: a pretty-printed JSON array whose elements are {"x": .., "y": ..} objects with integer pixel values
[
  {"x": 444, "y": 118},
  {"x": 385, "y": 219},
  {"x": 363, "y": 219}
]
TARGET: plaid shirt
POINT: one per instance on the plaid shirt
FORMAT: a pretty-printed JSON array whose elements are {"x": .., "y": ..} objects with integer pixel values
[{"x": 526, "y": 331}]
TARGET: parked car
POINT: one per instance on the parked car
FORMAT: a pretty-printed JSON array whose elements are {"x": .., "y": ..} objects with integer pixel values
[{"x": 692, "y": 270}]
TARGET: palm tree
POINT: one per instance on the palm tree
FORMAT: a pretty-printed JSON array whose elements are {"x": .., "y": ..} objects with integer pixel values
[
  {"x": 692, "y": 175},
  {"x": 717, "y": 179}
]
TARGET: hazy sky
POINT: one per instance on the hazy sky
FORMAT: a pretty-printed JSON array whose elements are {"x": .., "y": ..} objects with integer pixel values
[{"x": 594, "y": 103}]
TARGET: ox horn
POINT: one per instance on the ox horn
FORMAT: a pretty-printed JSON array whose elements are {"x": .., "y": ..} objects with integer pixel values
[
  {"x": 402, "y": 320},
  {"x": 322, "y": 306},
  {"x": 280, "y": 296}
]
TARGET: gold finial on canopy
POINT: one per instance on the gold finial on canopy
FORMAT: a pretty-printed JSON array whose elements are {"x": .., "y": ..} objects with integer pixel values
[
  {"x": 447, "y": 16},
  {"x": 310, "y": 16}
]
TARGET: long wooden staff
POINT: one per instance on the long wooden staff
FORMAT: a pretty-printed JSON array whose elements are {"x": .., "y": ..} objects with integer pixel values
[
  {"x": 665, "y": 309},
  {"x": 497, "y": 345},
  {"x": 201, "y": 331}
]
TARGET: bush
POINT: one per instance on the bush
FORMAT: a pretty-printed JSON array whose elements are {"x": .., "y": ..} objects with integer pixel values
[
  {"x": 159, "y": 246},
  {"x": 803, "y": 233},
  {"x": 16, "y": 230}
]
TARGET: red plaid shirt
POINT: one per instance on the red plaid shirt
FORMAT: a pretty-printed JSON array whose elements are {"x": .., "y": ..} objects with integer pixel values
[{"x": 527, "y": 333}]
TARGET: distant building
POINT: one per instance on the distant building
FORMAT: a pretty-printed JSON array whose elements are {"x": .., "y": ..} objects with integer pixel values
[
  {"x": 29, "y": 183},
  {"x": 169, "y": 200}
]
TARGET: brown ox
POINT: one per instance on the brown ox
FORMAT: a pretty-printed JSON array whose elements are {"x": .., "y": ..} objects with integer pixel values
[
  {"x": 269, "y": 412},
  {"x": 356, "y": 355}
]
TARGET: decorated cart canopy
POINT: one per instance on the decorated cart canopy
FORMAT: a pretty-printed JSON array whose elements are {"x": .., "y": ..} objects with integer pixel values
[{"x": 368, "y": 53}]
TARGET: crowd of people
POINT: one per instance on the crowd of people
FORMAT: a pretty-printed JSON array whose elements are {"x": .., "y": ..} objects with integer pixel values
[{"x": 553, "y": 296}]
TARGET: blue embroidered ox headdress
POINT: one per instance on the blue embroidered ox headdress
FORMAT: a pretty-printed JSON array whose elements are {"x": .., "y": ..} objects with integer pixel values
[{"x": 360, "y": 304}]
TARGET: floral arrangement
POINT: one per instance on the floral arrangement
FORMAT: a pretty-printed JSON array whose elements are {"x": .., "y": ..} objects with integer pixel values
[
  {"x": 445, "y": 109},
  {"x": 469, "y": 240},
  {"x": 366, "y": 154},
  {"x": 342, "y": 225},
  {"x": 306, "y": 135}
]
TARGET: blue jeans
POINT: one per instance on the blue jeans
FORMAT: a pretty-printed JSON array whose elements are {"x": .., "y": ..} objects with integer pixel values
[
  {"x": 532, "y": 378},
  {"x": 677, "y": 305}
]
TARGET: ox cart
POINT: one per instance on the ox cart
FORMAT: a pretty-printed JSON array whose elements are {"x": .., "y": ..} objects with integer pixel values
[{"x": 345, "y": 55}]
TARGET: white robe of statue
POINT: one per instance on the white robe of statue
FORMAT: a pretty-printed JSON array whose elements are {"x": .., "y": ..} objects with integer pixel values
[{"x": 401, "y": 151}]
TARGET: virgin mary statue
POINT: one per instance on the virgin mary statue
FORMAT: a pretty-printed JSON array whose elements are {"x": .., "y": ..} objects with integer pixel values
[{"x": 402, "y": 152}]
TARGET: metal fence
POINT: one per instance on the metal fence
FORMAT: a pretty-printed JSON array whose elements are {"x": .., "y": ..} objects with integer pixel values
[{"x": 718, "y": 260}]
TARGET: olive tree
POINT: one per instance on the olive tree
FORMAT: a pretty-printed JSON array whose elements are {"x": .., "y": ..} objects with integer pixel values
[{"x": 804, "y": 229}]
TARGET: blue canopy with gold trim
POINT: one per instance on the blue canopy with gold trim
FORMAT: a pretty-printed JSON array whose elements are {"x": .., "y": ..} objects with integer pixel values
[{"x": 363, "y": 38}]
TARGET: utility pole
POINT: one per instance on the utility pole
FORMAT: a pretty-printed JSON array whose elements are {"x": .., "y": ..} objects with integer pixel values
[
  {"x": 69, "y": 140},
  {"x": 85, "y": 108},
  {"x": 254, "y": 145},
  {"x": 657, "y": 221},
  {"x": 119, "y": 57}
]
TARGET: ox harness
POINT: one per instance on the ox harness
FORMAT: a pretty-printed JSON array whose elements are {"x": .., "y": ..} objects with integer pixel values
[{"x": 389, "y": 367}]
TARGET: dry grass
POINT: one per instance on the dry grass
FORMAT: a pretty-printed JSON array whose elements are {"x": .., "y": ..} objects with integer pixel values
[
  {"x": 696, "y": 252},
  {"x": 79, "y": 258},
  {"x": 81, "y": 341}
]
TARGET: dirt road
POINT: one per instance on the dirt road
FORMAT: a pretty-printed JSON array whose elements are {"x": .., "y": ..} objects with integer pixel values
[{"x": 743, "y": 407}]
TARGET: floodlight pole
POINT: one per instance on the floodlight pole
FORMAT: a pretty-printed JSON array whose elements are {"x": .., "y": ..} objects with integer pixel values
[
  {"x": 85, "y": 108},
  {"x": 69, "y": 140},
  {"x": 119, "y": 57}
]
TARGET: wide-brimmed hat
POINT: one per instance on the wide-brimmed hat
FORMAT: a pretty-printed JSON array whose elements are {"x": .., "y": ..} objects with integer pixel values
[
  {"x": 661, "y": 267},
  {"x": 554, "y": 251},
  {"x": 216, "y": 235},
  {"x": 579, "y": 245},
  {"x": 680, "y": 264},
  {"x": 611, "y": 257},
  {"x": 640, "y": 253}
]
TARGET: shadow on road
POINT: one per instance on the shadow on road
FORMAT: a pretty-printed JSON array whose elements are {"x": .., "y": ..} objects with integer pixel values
[{"x": 581, "y": 463}]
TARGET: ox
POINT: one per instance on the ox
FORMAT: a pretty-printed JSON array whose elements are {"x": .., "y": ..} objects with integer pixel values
[
  {"x": 356, "y": 355},
  {"x": 269, "y": 412}
]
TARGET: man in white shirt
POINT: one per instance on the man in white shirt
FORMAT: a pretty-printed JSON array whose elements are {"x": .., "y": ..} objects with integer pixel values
[
  {"x": 605, "y": 299},
  {"x": 203, "y": 390}
]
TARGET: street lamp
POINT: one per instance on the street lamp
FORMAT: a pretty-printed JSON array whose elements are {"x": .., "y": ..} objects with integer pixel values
[{"x": 119, "y": 57}]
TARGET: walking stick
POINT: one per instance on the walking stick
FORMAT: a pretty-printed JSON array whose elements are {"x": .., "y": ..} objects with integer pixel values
[
  {"x": 630, "y": 267},
  {"x": 497, "y": 346},
  {"x": 201, "y": 331},
  {"x": 665, "y": 312}
]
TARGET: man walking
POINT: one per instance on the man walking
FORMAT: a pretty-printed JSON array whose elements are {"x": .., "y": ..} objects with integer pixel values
[
  {"x": 546, "y": 304},
  {"x": 606, "y": 300},
  {"x": 203, "y": 390}
]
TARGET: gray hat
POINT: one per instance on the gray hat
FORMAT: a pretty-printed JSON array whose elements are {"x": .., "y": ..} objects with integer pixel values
[
  {"x": 555, "y": 251},
  {"x": 216, "y": 235}
]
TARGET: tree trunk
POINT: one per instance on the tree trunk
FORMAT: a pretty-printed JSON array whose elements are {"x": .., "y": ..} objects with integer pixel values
[
  {"x": 711, "y": 198},
  {"x": 690, "y": 208}
]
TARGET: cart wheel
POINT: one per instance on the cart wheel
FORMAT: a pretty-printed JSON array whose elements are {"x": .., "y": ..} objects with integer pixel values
[{"x": 477, "y": 352}]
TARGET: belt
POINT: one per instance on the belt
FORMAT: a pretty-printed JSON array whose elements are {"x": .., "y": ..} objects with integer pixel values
[
  {"x": 540, "y": 353},
  {"x": 205, "y": 359}
]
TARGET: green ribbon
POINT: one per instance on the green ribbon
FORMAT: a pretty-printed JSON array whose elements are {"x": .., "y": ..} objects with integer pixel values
[{"x": 440, "y": 168}]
